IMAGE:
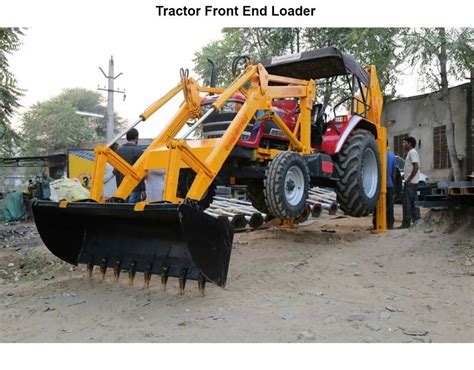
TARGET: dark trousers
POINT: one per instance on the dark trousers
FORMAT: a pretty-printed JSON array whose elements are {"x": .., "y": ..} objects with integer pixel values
[
  {"x": 134, "y": 197},
  {"x": 410, "y": 212},
  {"x": 389, "y": 205}
]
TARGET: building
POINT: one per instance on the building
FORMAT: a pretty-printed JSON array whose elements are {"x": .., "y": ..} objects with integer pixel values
[{"x": 423, "y": 117}]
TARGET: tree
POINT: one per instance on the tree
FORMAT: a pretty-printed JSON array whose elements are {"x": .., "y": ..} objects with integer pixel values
[
  {"x": 89, "y": 101},
  {"x": 442, "y": 55},
  {"x": 258, "y": 43},
  {"x": 382, "y": 48},
  {"x": 378, "y": 46},
  {"x": 10, "y": 94},
  {"x": 369, "y": 46},
  {"x": 53, "y": 126}
]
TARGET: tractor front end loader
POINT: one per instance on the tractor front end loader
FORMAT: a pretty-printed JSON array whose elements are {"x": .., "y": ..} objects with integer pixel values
[{"x": 263, "y": 131}]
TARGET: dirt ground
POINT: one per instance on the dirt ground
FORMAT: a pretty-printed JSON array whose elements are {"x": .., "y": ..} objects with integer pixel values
[{"x": 328, "y": 281}]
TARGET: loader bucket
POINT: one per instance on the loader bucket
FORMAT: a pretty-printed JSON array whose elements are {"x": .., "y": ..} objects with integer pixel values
[{"x": 164, "y": 239}]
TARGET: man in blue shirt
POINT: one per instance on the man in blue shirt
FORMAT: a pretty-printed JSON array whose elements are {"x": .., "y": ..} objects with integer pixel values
[{"x": 391, "y": 175}]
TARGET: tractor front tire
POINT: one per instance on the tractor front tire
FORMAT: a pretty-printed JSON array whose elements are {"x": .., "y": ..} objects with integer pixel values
[
  {"x": 256, "y": 196},
  {"x": 358, "y": 168},
  {"x": 186, "y": 178},
  {"x": 286, "y": 185}
]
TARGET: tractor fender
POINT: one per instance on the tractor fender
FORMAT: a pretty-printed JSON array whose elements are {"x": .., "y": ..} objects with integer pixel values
[{"x": 338, "y": 132}]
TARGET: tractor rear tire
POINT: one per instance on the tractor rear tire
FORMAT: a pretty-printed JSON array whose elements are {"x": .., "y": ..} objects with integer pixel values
[
  {"x": 358, "y": 168},
  {"x": 286, "y": 185},
  {"x": 256, "y": 196}
]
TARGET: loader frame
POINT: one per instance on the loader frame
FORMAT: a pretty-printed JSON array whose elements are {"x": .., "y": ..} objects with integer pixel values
[{"x": 206, "y": 157}]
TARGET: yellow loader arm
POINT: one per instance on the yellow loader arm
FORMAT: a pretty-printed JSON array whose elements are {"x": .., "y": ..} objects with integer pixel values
[
  {"x": 206, "y": 157},
  {"x": 174, "y": 237}
]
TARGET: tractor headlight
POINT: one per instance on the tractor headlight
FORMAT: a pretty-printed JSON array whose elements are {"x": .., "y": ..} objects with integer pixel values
[
  {"x": 205, "y": 108},
  {"x": 231, "y": 107},
  {"x": 228, "y": 107}
]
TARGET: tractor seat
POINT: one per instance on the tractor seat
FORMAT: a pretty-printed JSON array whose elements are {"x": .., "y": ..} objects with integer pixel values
[{"x": 318, "y": 124}]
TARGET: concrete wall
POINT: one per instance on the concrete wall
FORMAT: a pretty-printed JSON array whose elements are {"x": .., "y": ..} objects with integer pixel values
[
  {"x": 470, "y": 131},
  {"x": 418, "y": 115}
]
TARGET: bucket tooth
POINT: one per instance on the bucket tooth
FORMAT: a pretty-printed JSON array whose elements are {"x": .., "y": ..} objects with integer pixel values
[
  {"x": 182, "y": 280},
  {"x": 147, "y": 276},
  {"x": 201, "y": 285},
  {"x": 103, "y": 269},
  {"x": 164, "y": 278},
  {"x": 117, "y": 270},
  {"x": 172, "y": 235},
  {"x": 131, "y": 273}
]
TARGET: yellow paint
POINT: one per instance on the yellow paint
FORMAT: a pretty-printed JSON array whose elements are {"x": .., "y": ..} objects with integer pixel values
[
  {"x": 81, "y": 169},
  {"x": 140, "y": 206},
  {"x": 374, "y": 100},
  {"x": 206, "y": 157},
  {"x": 381, "y": 225}
]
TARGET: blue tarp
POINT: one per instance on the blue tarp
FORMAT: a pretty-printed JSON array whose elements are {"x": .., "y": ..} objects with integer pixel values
[{"x": 12, "y": 208}]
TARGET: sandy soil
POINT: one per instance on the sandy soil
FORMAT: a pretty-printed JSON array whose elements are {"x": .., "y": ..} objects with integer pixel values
[{"x": 329, "y": 281}]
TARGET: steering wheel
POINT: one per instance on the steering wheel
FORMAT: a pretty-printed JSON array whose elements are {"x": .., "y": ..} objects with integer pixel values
[{"x": 319, "y": 119}]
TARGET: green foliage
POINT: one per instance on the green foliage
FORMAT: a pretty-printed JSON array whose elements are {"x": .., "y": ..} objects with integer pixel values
[
  {"x": 441, "y": 55},
  {"x": 378, "y": 46},
  {"x": 9, "y": 92},
  {"x": 53, "y": 126},
  {"x": 89, "y": 101},
  {"x": 258, "y": 43},
  {"x": 423, "y": 49}
]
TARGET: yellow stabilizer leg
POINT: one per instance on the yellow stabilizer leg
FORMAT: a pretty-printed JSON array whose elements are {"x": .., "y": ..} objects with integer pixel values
[{"x": 381, "y": 216}]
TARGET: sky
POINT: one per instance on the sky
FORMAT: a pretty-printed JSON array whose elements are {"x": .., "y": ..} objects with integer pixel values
[
  {"x": 66, "y": 43},
  {"x": 49, "y": 62}
]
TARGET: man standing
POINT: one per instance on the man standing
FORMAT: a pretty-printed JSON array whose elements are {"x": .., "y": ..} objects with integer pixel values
[
  {"x": 110, "y": 182},
  {"x": 131, "y": 152},
  {"x": 391, "y": 174},
  {"x": 411, "y": 175}
]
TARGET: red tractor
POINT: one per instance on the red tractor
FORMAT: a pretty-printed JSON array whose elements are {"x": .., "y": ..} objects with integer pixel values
[
  {"x": 347, "y": 156},
  {"x": 265, "y": 130}
]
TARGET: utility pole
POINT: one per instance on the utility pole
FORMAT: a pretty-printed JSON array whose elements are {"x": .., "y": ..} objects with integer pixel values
[{"x": 110, "y": 97}]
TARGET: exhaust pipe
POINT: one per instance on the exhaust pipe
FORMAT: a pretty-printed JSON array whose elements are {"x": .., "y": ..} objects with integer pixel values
[{"x": 213, "y": 79}]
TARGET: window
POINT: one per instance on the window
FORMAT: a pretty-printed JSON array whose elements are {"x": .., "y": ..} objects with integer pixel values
[
  {"x": 440, "y": 148},
  {"x": 400, "y": 163},
  {"x": 398, "y": 146}
]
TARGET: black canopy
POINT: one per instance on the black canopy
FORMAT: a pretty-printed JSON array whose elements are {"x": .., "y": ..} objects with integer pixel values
[{"x": 315, "y": 64}]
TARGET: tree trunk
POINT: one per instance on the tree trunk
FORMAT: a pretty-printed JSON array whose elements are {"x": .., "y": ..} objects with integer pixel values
[
  {"x": 297, "y": 40},
  {"x": 450, "y": 135},
  {"x": 292, "y": 37},
  {"x": 470, "y": 144},
  {"x": 327, "y": 93}
]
